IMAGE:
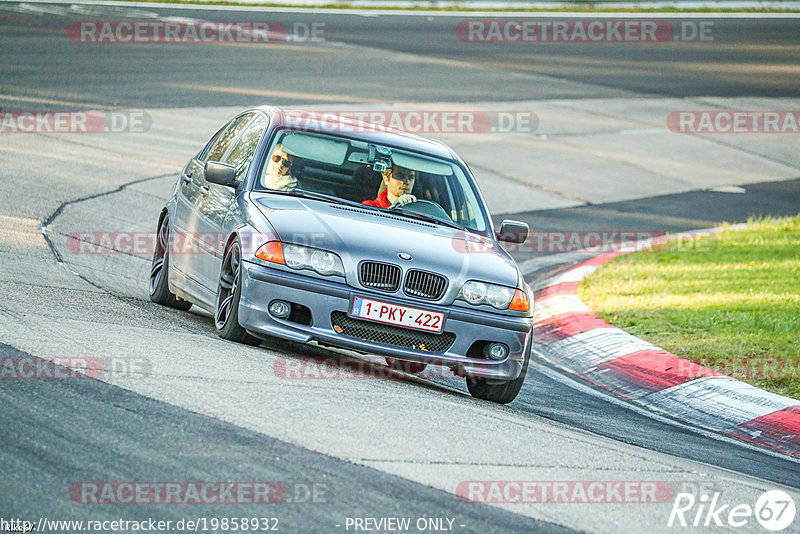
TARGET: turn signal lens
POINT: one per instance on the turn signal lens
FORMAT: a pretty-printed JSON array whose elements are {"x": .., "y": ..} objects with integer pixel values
[
  {"x": 271, "y": 252},
  {"x": 520, "y": 301}
]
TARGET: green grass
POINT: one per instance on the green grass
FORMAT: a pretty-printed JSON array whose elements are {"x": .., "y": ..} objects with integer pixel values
[
  {"x": 577, "y": 8},
  {"x": 729, "y": 301}
]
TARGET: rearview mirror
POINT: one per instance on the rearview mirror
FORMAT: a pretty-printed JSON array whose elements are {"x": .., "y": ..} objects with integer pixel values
[
  {"x": 221, "y": 173},
  {"x": 513, "y": 231}
]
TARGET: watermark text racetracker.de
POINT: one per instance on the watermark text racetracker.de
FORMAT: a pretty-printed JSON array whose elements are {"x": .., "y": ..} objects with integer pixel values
[
  {"x": 144, "y": 243},
  {"x": 564, "y": 491},
  {"x": 562, "y": 241},
  {"x": 193, "y": 31},
  {"x": 734, "y": 122},
  {"x": 598, "y": 30},
  {"x": 338, "y": 368},
  {"x": 72, "y": 368},
  {"x": 178, "y": 243},
  {"x": 537, "y": 242},
  {"x": 204, "y": 493},
  {"x": 74, "y": 122},
  {"x": 742, "y": 367},
  {"x": 418, "y": 121}
]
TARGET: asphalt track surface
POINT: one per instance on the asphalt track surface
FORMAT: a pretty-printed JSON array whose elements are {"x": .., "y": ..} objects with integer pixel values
[
  {"x": 58, "y": 432},
  {"x": 745, "y": 57},
  {"x": 99, "y": 421}
]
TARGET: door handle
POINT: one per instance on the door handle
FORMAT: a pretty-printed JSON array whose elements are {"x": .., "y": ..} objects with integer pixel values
[
  {"x": 205, "y": 191},
  {"x": 187, "y": 178}
]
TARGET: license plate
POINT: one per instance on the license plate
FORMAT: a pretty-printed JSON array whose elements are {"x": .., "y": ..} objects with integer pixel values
[{"x": 383, "y": 312}]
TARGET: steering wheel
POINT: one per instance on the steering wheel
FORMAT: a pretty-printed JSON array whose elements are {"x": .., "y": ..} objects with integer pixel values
[{"x": 427, "y": 207}]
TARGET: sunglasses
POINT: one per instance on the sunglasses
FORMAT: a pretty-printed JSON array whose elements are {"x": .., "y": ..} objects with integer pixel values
[
  {"x": 277, "y": 158},
  {"x": 404, "y": 176}
]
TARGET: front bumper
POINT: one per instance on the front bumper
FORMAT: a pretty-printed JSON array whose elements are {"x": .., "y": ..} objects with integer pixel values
[{"x": 261, "y": 285}]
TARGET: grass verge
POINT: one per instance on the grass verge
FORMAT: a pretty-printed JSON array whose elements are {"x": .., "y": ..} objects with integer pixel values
[{"x": 729, "y": 301}]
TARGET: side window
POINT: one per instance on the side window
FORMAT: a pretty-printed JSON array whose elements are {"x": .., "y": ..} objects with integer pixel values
[
  {"x": 203, "y": 153},
  {"x": 228, "y": 136},
  {"x": 242, "y": 152}
]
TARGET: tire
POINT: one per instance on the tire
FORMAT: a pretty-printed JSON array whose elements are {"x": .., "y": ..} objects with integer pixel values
[
  {"x": 229, "y": 293},
  {"x": 159, "y": 271},
  {"x": 499, "y": 391},
  {"x": 413, "y": 368}
]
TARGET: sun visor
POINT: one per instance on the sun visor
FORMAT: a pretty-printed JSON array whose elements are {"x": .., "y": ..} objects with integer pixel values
[
  {"x": 416, "y": 163},
  {"x": 315, "y": 148}
]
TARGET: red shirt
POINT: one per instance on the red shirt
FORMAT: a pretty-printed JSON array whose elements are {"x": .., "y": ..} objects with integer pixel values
[{"x": 381, "y": 202}]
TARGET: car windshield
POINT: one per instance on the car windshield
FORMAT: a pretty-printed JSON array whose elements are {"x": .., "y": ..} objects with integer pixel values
[{"x": 334, "y": 168}]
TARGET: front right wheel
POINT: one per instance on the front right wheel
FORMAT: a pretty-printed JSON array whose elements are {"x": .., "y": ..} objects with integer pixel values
[{"x": 229, "y": 292}]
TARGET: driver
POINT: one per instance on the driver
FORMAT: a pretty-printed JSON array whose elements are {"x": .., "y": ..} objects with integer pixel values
[
  {"x": 277, "y": 175},
  {"x": 399, "y": 183}
]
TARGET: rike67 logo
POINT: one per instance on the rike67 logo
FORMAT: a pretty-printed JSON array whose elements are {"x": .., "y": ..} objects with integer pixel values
[{"x": 774, "y": 511}]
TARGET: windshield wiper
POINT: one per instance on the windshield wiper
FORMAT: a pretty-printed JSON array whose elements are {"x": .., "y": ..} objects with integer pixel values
[
  {"x": 304, "y": 193},
  {"x": 429, "y": 218}
]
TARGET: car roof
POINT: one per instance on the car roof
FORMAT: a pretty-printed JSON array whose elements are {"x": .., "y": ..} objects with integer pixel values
[{"x": 361, "y": 130}]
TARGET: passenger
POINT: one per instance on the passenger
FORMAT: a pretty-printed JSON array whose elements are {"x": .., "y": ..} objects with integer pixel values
[
  {"x": 277, "y": 175},
  {"x": 399, "y": 183}
]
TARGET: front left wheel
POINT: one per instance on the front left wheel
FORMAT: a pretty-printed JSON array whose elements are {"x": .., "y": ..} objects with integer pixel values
[
  {"x": 229, "y": 293},
  {"x": 500, "y": 391}
]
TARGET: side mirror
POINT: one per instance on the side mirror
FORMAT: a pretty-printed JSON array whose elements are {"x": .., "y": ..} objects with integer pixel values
[
  {"x": 221, "y": 173},
  {"x": 513, "y": 231}
]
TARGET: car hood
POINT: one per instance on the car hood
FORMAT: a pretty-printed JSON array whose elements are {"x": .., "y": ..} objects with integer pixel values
[{"x": 358, "y": 234}]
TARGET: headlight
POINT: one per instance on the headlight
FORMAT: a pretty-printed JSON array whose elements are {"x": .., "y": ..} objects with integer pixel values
[
  {"x": 296, "y": 257},
  {"x": 299, "y": 257},
  {"x": 474, "y": 292},
  {"x": 500, "y": 297},
  {"x": 324, "y": 262}
]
